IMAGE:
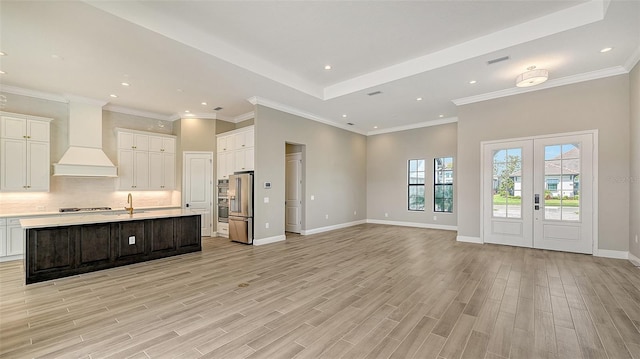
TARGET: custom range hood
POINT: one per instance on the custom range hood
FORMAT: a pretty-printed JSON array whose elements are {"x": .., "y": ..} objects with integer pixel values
[{"x": 84, "y": 157}]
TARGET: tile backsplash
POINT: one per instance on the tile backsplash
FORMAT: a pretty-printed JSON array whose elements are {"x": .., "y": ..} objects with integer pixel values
[{"x": 82, "y": 192}]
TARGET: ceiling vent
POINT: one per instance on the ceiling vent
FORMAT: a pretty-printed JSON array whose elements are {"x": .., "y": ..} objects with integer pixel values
[
  {"x": 374, "y": 93},
  {"x": 349, "y": 123},
  {"x": 217, "y": 108},
  {"x": 499, "y": 59}
]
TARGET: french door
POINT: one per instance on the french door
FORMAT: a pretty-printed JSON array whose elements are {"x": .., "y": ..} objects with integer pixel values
[{"x": 538, "y": 193}]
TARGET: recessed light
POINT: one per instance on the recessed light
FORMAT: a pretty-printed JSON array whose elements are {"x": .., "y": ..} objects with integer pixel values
[
  {"x": 375, "y": 126},
  {"x": 2, "y": 72},
  {"x": 344, "y": 116},
  {"x": 126, "y": 84},
  {"x": 327, "y": 67},
  {"x": 606, "y": 49},
  {"x": 441, "y": 116},
  {"x": 203, "y": 103},
  {"x": 3, "y": 53},
  {"x": 57, "y": 57},
  {"x": 179, "y": 90},
  {"x": 187, "y": 111},
  {"x": 473, "y": 82},
  {"x": 189, "y": 114},
  {"x": 113, "y": 95},
  {"x": 419, "y": 99}
]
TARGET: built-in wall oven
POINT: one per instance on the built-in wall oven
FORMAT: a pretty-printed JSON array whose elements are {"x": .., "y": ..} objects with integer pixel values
[{"x": 223, "y": 200}]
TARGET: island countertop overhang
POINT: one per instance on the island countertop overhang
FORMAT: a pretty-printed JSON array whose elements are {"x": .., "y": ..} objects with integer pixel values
[{"x": 93, "y": 218}]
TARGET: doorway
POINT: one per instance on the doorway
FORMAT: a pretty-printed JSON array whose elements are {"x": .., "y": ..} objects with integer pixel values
[
  {"x": 197, "y": 188},
  {"x": 294, "y": 182},
  {"x": 539, "y": 192}
]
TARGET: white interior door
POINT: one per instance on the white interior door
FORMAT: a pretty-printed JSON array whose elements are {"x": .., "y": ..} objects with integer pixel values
[
  {"x": 293, "y": 193},
  {"x": 198, "y": 187},
  {"x": 538, "y": 193}
]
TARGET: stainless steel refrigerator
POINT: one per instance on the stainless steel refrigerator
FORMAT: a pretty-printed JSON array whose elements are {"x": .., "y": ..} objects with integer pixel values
[{"x": 241, "y": 207}]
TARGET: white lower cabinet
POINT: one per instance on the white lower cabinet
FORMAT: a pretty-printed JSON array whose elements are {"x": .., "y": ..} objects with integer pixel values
[
  {"x": 15, "y": 238},
  {"x": 12, "y": 239},
  {"x": 223, "y": 229}
]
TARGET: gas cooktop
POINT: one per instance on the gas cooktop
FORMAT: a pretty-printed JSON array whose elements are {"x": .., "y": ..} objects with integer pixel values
[{"x": 91, "y": 209}]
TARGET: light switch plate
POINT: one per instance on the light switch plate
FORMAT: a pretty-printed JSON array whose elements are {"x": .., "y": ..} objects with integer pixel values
[{"x": 266, "y": 200}]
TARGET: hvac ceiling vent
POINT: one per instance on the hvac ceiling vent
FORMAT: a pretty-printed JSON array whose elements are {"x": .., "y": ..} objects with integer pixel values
[
  {"x": 349, "y": 123},
  {"x": 217, "y": 108},
  {"x": 374, "y": 93},
  {"x": 499, "y": 59}
]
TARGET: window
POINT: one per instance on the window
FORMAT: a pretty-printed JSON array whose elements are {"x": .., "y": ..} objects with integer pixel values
[
  {"x": 416, "y": 185},
  {"x": 443, "y": 184}
]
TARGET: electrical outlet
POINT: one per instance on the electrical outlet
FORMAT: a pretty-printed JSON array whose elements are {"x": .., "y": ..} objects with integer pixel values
[
  {"x": 40, "y": 208},
  {"x": 354, "y": 213},
  {"x": 326, "y": 216},
  {"x": 313, "y": 197},
  {"x": 435, "y": 218},
  {"x": 386, "y": 214},
  {"x": 636, "y": 238},
  {"x": 132, "y": 239},
  {"x": 266, "y": 225}
]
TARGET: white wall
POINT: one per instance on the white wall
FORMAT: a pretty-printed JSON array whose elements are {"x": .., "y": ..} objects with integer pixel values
[
  {"x": 634, "y": 179},
  {"x": 599, "y": 104},
  {"x": 335, "y": 171},
  {"x": 387, "y": 156}
]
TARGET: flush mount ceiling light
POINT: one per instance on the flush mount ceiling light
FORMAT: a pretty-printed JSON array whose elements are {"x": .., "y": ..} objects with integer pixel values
[
  {"x": 327, "y": 67},
  {"x": 532, "y": 77}
]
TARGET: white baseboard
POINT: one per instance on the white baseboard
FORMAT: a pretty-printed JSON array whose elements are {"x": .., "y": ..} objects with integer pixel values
[
  {"x": 268, "y": 240},
  {"x": 331, "y": 228},
  {"x": 608, "y": 253},
  {"x": 414, "y": 224},
  {"x": 467, "y": 239},
  {"x": 634, "y": 260},
  {"x": 12, "y": 258}
]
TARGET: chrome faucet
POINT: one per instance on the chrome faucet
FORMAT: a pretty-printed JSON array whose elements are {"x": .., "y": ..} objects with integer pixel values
[{"x": 130, "y": 204}]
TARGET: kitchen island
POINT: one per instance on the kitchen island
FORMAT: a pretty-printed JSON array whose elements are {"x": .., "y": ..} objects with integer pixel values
[{"x": 64, "y": 246}]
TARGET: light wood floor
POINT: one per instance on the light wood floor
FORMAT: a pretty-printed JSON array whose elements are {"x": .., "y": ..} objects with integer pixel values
[{"x": 369, "y": 291}]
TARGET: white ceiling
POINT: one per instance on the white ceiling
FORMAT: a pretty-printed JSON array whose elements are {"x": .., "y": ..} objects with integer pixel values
[{"x": 177, "y": 54}]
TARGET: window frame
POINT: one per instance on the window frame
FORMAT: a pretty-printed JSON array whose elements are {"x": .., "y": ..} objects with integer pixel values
[
  {"x": 416, "y": 185},
  {"x": 440, "y": 173}
]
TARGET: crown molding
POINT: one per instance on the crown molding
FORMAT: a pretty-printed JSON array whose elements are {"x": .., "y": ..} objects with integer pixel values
[
  {"x": 568, "y": 80},
  {"x": 197, "y": 115},
  {"x": 86, "y": 100},
  {"x": 33, "y": 93},
  {"x": 244, "y": 117},
  {"x": 632, "y": 60},
  {"x": 294, "y": 111},
  {"x": 440, "y": 121}
]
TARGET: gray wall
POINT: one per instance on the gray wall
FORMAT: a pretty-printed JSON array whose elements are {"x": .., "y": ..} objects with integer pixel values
[
  {"x": 335, "y": 172},
  {"x": 387, "y": 156},
  {"x": 634, "y": 183},
  {"x": 600, "y": 104}
]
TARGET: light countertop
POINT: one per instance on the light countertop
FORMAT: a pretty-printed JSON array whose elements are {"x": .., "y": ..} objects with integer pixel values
[
  {"x": 104, "y": 217},
  {"x": 58, "y": 213}
]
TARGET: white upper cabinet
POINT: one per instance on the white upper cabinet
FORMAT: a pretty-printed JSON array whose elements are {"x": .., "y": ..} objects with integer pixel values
[
  {"x": 225, "y": 143},
  {"x": 24, "y": 153},
  {"x": 235, "y": 151},
  {"x": 146, "y": 160},
  {"x": 162, "y": 144}
]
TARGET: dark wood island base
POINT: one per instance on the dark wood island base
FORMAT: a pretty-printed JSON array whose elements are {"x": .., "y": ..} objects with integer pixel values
[{"x": 62, "y": 251}]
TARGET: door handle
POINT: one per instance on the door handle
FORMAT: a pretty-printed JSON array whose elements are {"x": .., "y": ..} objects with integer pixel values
[{"x": 187, "y": 205}]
